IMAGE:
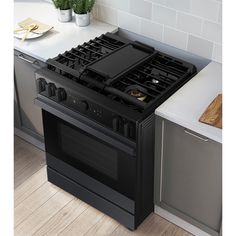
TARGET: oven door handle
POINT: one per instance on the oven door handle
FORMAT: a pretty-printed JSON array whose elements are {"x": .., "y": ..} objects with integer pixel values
[{"x": 73, "y": 118}]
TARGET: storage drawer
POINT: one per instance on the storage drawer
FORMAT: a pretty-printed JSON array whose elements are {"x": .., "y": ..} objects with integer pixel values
[{"x": 190, "y": 168}]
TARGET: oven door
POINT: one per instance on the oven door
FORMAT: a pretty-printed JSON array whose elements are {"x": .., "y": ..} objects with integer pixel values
[{"x": 89, "y": 150}]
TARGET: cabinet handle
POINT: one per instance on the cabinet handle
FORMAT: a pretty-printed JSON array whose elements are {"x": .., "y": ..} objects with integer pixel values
[
  {"x": 162, "y": 153},
  {"x": 196, "y": 136},
  {"x": 25, "y": 59}
]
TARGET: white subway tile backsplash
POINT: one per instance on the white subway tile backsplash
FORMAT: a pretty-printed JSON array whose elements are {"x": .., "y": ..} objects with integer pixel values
[
  {"x": 205, "y": 8},
  {"x": 117, "y": 4},
  {"x": 108, "y": 15},
  {"x": 192, "y": 25},
  {"x": 95, "y": 11},
  {"x": 189, "y": 23},
  {"x": 181, "y": 5},
  {"x": 129, "y": 22},
  {"x": 175, "y": 38},
  {"x": 217, "y": 53},
  {"x": 164, "y": 15},
  {"x": 200, "y": 46},
  {"x": 163, "y": 2},
  {"x": 141, "y": 8},
  {"x": 151, "y": 29},
  {"x": 212, "y": 31}
]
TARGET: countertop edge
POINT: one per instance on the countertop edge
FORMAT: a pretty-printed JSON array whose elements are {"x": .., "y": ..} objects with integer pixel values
[
  {"x": 189, "y": 125},
  {"x": 30, "y": 54}
]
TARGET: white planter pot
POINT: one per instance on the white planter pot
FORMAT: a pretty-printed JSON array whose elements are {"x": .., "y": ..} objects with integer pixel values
[
  {"x": 82, "y": 19},
  {"x": 64, "y": 15}
]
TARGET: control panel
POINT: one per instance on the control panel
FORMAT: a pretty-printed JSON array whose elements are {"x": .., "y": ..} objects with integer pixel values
[{"x": 72, "y": 100}]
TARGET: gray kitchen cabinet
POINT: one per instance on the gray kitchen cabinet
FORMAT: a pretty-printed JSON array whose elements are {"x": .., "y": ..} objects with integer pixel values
[
  {"x": 17, "y": 121},
  {"x": 28, "y": 116},
  {"x": 188, "y": 176}
]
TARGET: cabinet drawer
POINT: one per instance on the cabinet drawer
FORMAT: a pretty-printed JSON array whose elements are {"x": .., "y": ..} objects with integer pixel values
[
  {"x": 190, "y": 175},
  {"x": 30, "y": 115},
  {"x": 35, "y": 63}
]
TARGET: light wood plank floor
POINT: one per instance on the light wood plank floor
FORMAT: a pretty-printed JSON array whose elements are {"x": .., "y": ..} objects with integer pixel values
[
  {"x": 27, "y": 160},
  {"x": 43, "y": 209}
]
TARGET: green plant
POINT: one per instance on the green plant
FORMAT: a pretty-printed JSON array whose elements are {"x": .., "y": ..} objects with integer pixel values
[
  {"x": 83, "y": 6},
  {"x": 62, "y": 4}
]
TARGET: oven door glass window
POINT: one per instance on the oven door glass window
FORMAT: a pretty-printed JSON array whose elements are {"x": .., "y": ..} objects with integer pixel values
[{"x": 89, "y": 154}]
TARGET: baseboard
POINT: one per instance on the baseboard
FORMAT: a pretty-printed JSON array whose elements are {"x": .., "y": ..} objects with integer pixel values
[
  {"x": 29, "y": 139},
  {"x": 180, "y": 222}
]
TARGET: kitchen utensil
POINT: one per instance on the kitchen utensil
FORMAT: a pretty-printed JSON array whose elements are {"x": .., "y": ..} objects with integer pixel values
[
  {"x": 42, "y": 28},
  {"x": 30, "y": 28},
  {"x": 24, "y": 29},
  {"x": 213, "y": 113}
]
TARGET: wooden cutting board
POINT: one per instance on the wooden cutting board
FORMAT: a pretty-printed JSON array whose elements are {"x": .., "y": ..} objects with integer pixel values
[{"x": 213, "y": 113}]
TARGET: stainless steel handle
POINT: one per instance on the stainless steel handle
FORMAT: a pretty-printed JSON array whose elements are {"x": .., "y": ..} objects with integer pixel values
[
  {"x": 21, "y": 56},
  {"x": 196, "y": 136},
  {"x": 162, "y": 154}
]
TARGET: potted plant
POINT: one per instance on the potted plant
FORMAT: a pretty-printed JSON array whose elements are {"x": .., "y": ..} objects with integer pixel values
[
  {"x": 82, "y": 9},
  {"x": 64, "y": 11}
]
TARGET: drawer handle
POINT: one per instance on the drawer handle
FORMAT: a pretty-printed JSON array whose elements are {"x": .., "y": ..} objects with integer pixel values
[
  {"x": 196, "y": 136},
  {"x": 25, "y": 59}
]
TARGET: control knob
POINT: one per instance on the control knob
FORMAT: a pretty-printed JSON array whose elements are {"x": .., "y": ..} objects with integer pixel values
[
  {"x": 128, "y": 130},
  {"x": 60, "y": 94},
  {"x": 41, "y": 85},
  {"x": 50, "y": 89},
  {"x": 116, "y": 123}
]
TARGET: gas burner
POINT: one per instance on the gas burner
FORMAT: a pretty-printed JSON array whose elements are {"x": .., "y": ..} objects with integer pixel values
[
  {"x": 155, "y": 81},
  {"x": 152, "y": 84},
  {"x": 137, "y": 92}
]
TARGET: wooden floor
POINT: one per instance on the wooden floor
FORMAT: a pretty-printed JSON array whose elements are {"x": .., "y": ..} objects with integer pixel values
[
  {"x": 27, "y": 160},
  {"x": 43, "y": 209}
]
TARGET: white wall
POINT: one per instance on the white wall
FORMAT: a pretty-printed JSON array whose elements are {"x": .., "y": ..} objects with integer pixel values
[{"x": 192, "y": 25}]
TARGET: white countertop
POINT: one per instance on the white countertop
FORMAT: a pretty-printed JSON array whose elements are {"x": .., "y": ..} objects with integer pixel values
[
  {"x": 188, "y": 103},
  {"x": 62, "y": 37}
]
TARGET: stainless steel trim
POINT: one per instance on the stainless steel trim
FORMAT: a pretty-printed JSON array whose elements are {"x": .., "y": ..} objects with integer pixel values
[
  {"x": 162, "y": 154},
  {"x": 21, "y": 56},
  {"x": 196, "y": 136}
]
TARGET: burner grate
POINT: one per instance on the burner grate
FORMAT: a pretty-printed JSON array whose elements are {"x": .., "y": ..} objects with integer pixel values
[
  {"x": 104, "y": 65},
  {"x": 74, "y": 62},
  {"x": 156, "y": 77}
]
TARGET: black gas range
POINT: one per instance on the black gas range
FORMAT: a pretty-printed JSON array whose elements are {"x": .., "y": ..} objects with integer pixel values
[{"x": 98, "y": 101}]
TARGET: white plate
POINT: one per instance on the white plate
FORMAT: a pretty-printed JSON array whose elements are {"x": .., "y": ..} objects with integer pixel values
[
  {"x": 21, "y": 34},
  {"x": 30, "y": 35}
]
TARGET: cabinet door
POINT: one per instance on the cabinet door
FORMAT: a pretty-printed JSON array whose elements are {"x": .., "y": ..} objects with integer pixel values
[
  {"x": 31, "y": 117},
  {"x": 17, "y": 122},
  {"x": 191, "y": 181}
]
